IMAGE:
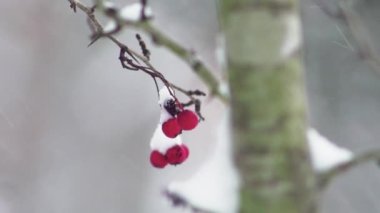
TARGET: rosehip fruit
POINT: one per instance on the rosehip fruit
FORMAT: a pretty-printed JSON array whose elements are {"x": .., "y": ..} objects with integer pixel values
[
  {"x": 187, "y": 119},
  {"x": 177, "y": 154},
  {"x": 157, "y": 159},
  {"x": 171, "y": 128}
]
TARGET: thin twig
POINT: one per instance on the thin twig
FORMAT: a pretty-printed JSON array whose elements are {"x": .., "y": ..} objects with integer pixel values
[
  {"x": 125, "y": 61},
  {"x": 143, "y": 6},
  {"x": 337, "y": 14},
  {"x": 348, "y": 44},
  {"x": 360, "y": 34}
]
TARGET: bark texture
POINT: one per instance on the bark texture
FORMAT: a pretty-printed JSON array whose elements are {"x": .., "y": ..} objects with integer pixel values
[{"x": 268, "y": 106}]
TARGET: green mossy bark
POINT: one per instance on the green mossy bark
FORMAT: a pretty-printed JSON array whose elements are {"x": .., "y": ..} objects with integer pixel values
[{"x": 268, "y": 107}]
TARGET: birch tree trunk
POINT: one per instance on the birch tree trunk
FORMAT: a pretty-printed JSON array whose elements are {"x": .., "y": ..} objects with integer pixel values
[{"x": 268, "y": 105}]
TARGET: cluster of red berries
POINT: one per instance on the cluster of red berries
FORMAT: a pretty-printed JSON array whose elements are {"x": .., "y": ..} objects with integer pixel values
[
  {"x": 184, "y": 120},
  {"x": 175, "y": 155},
  {"x": 176, "y": 119}
]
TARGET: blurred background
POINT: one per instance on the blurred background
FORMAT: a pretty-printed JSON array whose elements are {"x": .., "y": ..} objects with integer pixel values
[{"x": 75, "y": 127}]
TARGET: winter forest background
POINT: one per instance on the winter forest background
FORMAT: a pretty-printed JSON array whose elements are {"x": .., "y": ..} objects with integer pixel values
[{"x": 75, "y": 127}]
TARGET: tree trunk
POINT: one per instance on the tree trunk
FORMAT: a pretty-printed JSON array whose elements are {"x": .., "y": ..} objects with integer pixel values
[{"x": 268, "y": 105}]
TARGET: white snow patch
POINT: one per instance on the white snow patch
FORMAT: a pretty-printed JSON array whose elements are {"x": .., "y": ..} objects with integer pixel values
[
  {"x": 324, "y": 154},
  {"x": 132, "y": 13},
  {"x": 292, "y": 41},
  {"x": 110, "y": 27},
  {"x": 108, "y": 4},
  {"x": 164, "y": 116},
  {"x": 164, "y": 96},
  {"x": 214, "y": 187},
  {"x": 220, "y": 51},
  {"x": 162, "y": 143},
  {"x": 224, "y": 88}
]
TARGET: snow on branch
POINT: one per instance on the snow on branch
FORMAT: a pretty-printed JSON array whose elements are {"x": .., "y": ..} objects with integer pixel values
[
  {"x": 325, "y": 178},
  {"x": 330, "y": 160},
  {"x": 135, "y": 12},
  {"x": 325, "y": 155}
]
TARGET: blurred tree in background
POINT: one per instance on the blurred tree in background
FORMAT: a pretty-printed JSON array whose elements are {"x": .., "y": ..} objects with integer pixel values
[{"x": 268, "y": 105}]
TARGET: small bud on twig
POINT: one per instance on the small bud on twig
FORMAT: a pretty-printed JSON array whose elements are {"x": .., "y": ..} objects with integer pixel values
[{"x": 143, "y": 47}]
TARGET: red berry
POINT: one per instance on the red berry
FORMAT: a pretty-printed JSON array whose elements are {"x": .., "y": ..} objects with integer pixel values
[
  {"x": 157, "y": 159},
  {"x": 177, "y": 154},
  {"x": 171, "y": 128},
  {"x": 187, "y": 119},
  {"x": 186, "y": 151}
]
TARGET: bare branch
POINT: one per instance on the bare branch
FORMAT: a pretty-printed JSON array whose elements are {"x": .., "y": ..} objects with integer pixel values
[
  {"x": 337, "y": 14},
  {"x": 365, "y": 47},
  {"x": 129, "y": 58},
  {"x": 200, "y": 69},
  {"x": 362, "y": 37},
  {"x": 325, "y": 178}
]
